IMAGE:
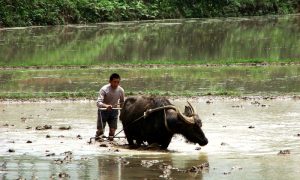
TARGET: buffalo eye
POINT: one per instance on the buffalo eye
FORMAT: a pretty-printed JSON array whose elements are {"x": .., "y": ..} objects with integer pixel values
[{"x": 198, "y": 123}]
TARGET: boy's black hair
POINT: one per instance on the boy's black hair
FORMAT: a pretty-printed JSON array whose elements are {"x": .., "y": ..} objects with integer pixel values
[{"x": 114, "y": 76}]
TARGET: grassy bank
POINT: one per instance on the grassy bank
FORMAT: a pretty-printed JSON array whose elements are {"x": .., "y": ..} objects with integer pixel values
[
  {"x": 46, "y": 12},
  {"x": 93, "y": 95},
  {"x": 155, "y": 63}
]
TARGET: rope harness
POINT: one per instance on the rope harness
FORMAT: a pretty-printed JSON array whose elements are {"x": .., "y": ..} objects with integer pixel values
[{"x": 148, "y": 112}]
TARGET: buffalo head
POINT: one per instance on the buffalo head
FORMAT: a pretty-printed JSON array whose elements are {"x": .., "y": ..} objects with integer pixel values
[{"x": 191, "y": 126}]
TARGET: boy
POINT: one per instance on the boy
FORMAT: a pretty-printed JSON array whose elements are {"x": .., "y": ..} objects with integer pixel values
[{"x": 110, "y": 96}]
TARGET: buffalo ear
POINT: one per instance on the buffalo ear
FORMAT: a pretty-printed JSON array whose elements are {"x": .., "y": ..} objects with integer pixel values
[
  {"x": 192, "y": 108},
  {"x": 188, "y": 111},
  {"x": 187, "y": 119}
]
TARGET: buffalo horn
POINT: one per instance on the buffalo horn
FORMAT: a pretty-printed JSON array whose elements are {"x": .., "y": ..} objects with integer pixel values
[{"x": 189, "y": 120}]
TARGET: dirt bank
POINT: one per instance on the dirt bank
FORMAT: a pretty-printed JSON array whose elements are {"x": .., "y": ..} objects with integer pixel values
[
  {"x": 129, "y": 66},
  {"x": 173, "y": 98}
]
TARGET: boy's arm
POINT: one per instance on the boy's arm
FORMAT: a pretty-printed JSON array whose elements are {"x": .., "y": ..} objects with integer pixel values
[{"x": 100, "y": 99}]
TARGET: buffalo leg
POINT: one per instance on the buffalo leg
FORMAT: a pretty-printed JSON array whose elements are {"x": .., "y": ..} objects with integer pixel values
[
  {"x": 131, "y": 143},
  {"x": 165, "y": 143},
  {"x": 130, "y": 140}
]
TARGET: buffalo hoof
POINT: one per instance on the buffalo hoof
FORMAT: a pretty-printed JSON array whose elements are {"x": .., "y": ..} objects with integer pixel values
[
  {"x": 154, "y": 146},
  {"x": 134, "y": 146}
]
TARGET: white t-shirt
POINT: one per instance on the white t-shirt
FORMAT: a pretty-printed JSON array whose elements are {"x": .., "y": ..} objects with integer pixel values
[{"x": 108, "y": 95}]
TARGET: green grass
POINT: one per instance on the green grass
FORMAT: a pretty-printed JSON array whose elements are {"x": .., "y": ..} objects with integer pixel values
[
  {"x": 42, "y": 95},
  {"x": 138, "y": 63},
  {"x": 93, "y": 95},
  {"x": 205, "y": 62}
]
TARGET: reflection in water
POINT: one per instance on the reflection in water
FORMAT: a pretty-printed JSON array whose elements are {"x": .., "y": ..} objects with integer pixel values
[
  {"x": 269, "y": 37},
  {"x": 221, "y": 167},
  {"x": 268, "y": 80},
  {"x": 234, "y": 166},
  {"x": 100, "y": 167},
  {"x": 109, "y": 168}
]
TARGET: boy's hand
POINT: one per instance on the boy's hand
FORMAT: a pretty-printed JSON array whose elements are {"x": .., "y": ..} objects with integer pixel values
[{"x": 109, "y": 107}]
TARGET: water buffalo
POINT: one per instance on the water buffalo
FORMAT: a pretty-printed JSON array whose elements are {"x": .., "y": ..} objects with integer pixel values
[{"x": 155, "y": 120}]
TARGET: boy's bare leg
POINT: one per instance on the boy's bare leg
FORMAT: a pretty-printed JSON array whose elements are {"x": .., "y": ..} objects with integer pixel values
[
  {"x": 111, "y": 133},
  {"x": 99, "y": 132}
]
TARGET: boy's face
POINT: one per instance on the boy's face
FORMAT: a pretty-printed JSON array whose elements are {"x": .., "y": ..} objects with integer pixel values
[{"x": 114, "y": 83}]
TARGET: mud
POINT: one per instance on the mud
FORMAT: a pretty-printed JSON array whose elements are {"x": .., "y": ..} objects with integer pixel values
[{"x": 268, "y": 150}]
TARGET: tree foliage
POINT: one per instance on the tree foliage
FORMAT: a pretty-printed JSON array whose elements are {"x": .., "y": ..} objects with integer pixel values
[{"x": 46, "y": 12}]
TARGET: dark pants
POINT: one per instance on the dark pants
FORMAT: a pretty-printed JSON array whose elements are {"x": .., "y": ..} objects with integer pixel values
[{"x": 109, "y": 117}]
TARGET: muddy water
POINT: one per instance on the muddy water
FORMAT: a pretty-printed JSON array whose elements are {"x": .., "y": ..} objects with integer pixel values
[
  {"x": 245, "y": 137},
  {"x": 275, "y": 80}
]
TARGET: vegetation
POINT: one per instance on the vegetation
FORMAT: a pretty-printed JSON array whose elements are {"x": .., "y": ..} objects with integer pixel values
[
  {"x": 46, "y": 12},
  {"x": 164, "y": 81},
  {"x": 93, "y": 95}
]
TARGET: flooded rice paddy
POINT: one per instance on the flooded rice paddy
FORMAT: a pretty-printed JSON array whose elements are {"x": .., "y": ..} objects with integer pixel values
[
  {"x": 180, "y": 41},
  {"x": 251, "y": 138},
  {"x": 245, "y": 137},
  {"x": 180, "y": 80}
]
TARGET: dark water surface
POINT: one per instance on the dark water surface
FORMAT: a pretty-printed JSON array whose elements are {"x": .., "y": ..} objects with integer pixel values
[
  {"x": 234, "y": 151},
  {"x": 190, "y": 40}
]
